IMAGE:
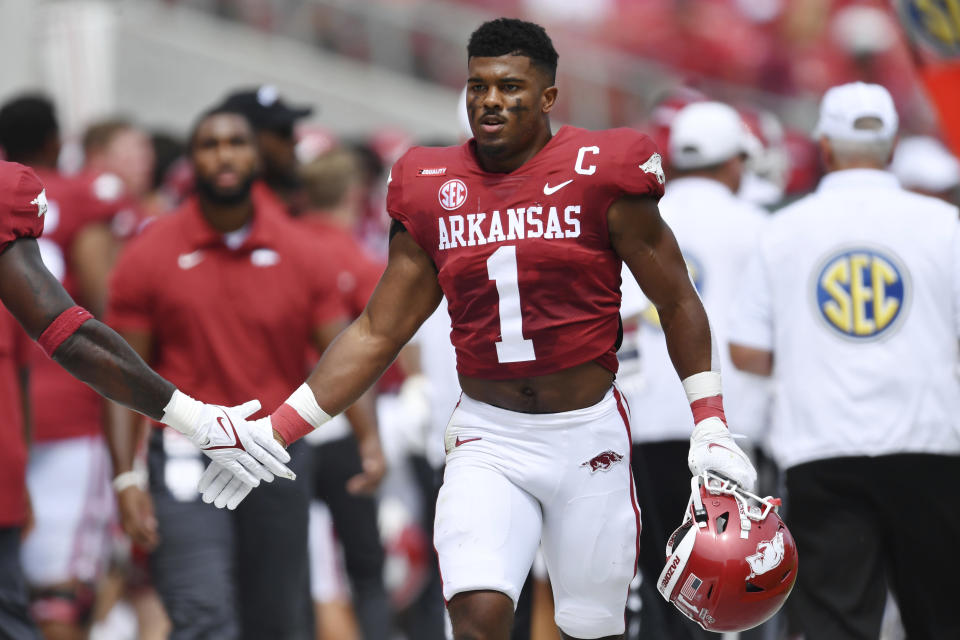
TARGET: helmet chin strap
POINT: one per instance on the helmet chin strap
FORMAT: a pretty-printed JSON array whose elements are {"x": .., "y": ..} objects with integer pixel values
[{"x": 751, "y": 507}]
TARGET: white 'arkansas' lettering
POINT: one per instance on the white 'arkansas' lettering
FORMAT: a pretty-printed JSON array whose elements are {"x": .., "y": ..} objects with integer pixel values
[
  {"x": 573, "y": 224},
  {"x": 553, "y": 225},
  {"x": 533, "y": 219},
  {"x": 475, "y": 236},
  {"x": 444, "y": 238},
  {"x": 456, "y": 232},
  {"x": 496, "y": 228},
  {"x": 517, "y": 228}
]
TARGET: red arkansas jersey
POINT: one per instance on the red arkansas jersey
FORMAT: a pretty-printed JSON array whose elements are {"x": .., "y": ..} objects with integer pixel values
[
  {"x": 23, "y": 203},
  {"x": 524, "y": 258},
  {"x": 62, "y": 406}
]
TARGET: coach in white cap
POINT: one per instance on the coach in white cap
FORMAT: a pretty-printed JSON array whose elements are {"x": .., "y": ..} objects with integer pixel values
[
  {"x": 708, "y": 147},
  {"x": 852, "y": 303}
]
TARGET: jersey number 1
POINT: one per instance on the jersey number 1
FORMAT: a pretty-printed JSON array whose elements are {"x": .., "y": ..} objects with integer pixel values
[{"x": 502, "y": 269}]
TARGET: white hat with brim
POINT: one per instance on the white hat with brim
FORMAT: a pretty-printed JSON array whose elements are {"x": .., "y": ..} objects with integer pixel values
[
  {"x": 705, "y": 134},
  {"x": 845, "y": 107}
]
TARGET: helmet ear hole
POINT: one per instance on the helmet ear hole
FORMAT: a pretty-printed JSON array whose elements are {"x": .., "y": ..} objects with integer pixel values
[
  {"x": 752, "y": 588},
  {"x": 722, "y": 522}
]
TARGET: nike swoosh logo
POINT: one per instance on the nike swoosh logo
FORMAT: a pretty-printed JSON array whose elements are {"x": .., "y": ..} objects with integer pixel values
[
  {"x": 719, "y": 446},
  {"x": 548, "y": 190},
  {"x": 464, "y": 441},
  {"x": 236, "y": 439}
]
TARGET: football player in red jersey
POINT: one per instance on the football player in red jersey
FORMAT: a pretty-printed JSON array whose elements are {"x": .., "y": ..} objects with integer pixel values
[{"x": 524, "y": 232}]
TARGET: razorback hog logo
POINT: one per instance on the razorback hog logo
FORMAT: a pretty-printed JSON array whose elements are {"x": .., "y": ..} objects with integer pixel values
[
  {"x": 768, "y": 556},
  {"x": 602, "y": 461}
]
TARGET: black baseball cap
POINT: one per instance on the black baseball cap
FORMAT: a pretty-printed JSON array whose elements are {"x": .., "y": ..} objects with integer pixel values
[{"x": 264, "y": 108}]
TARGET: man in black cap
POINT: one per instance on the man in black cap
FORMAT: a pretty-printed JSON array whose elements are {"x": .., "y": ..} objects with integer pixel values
[{"x": 273, "y": 121}]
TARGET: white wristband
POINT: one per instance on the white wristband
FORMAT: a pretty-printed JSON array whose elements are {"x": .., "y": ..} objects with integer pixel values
[
  {"x": 702, "y": 385},
  {"x": 181, "y": 413},
  {"x": 306, "y": 405},
  {"x": 127, "y": 479}
]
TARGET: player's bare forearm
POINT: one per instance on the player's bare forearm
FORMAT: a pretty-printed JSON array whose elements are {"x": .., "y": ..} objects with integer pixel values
[
  {"x": 407, "y": 294},
  {"x": 123, "y": 428},
  {"x": 94, "y": 354},
  {"x": 647, "y": 245},
  {"x": 98, "y": 356}
]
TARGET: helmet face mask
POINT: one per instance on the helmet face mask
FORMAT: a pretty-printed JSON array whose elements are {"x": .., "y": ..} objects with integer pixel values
[{"x": 732, "y": 562}]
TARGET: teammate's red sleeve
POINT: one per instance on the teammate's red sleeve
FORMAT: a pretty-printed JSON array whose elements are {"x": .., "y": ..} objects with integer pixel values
[
  {"x": 23, "y": 203},
  {"x": 131, "y": 301},
  {"x": 639, "y": 170}
]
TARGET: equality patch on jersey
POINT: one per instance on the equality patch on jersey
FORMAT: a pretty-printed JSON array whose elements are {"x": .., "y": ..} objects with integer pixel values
[
  {"x": 862, "y": 292},
  {"x": 933, "y": 22},
  {"x": 452, "y": 194},
  {"x": 431, "y": 172},
  {"x": 650, "y": 315}
]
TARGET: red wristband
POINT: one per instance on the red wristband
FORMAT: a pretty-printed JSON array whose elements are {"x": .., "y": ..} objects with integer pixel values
[
  {"x": 711, "y": 407},
  {"x": 289, "y": 424},
  {"x": 64, "y": 326}
]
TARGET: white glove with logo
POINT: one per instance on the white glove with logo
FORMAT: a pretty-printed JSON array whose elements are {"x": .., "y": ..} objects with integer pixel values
[
  {"x": 219, "y": 486},
  {"x": 246, "y": 449},
  {"x": 712, "y": 449}
]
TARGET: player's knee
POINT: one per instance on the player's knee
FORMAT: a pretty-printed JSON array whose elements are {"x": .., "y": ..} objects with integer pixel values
[
  {"x": 481, "y": 615},
  {"x": 64, "y": 604}
]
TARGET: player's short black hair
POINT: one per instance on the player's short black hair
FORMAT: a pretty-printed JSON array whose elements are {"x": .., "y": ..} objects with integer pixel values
[
  {"x": 209, "y": 113},
  {"x": 26, "y": 125},
  {"x": 509, "y": 36}
]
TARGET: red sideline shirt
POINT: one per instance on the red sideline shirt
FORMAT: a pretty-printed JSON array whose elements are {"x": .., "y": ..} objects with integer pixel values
[
  {"x": 524, "y": 258},
  {"x": 23, "y": 203},
  {"x": 64, "y": 407},
  {"x": 357, "y": 277},
  {"x": 14, "y": 353},
  {"x": 358, "y": 272},
  {"x": 227, "y": 325}
]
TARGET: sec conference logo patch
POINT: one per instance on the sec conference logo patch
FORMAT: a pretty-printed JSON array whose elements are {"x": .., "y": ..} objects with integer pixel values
[
  {"x": 861, "y": 292},
  {"x": 453, "y": 193}
]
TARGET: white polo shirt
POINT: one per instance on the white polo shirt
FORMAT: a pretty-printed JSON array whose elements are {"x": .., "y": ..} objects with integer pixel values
[
  {"x": 717, "y": 232},
  {"x": 856, "y": 290}
]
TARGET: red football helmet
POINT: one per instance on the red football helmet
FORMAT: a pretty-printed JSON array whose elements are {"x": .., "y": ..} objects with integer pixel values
[{"x": 732, "y": 563}]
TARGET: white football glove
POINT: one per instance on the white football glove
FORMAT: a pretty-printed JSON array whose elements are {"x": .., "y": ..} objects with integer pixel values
[
  {"x": 712, "y": 449},
  {"x": 246, "y": 449},
  {"x": 219, "y": 486}
]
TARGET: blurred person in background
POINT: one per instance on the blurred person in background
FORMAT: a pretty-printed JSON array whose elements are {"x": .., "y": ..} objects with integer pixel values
[
  {"x": 228, "y": 268},
  {"x": 16, "y": 517},
  {"x": 335, "y": 199},
  {"x": 116, "y": 147},
  {"x": 709, "y": 148},
  {"x": 765, "y": 176},
  {"x": 924, "y": 165},
  {"x": 851, "y": 302},
  {"x": 273, "y": 121},
  {"x": 68, "y": 471}
]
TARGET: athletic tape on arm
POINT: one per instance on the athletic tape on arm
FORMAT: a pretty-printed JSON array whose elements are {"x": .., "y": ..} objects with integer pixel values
[
  {"x": 299, "y": 415},
  {"x": 64, "y": 326}
]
